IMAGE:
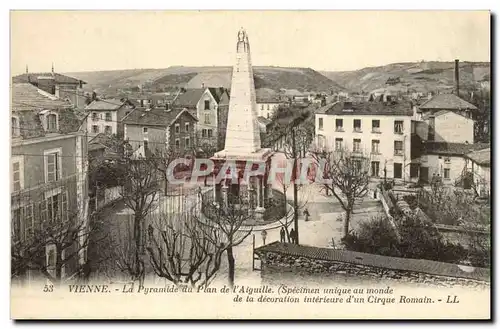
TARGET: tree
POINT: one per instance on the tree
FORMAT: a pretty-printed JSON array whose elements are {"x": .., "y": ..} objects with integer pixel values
[
  {"x": 346, "y": 176},
  {"x": 162, "y": 157},
  {"x": 140, "y": 188},
  {"x": 227, "y": 220},
  {"x": 53, "y": 247},
  {"x": 183, "y": 250}
]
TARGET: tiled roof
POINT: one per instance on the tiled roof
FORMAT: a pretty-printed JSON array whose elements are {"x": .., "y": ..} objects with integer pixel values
[
  {"x": 481, "y": 157},
  {"x": 370, "y": 108},
  {"x": 25, "y": 96},
  {"x": 189, "y": 99},
  {"x": 33, "y": 78},
  {"x": 392, "y": 263},
  {"x": 154, "y": 117},
  {"x": 447, "y": 102},
  {"x": 105, "y": 104},
  {"x": 27, "y": 104},
  {"x": 452, "y": 148}
]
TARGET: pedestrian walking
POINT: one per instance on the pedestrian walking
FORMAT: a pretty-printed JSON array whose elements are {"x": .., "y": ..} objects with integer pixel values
[
  {"x": 306, "y": 214},
  {"x": 292, "y": 235},
  {"x": 264, "y": 235},
  {"x": 282, "y": 235}
]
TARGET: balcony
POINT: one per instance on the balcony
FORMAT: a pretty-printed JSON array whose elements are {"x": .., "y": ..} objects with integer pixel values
[
  {"x": 399, "y": 132},
  {"x": 398, "y": 152},
  {"x": 357, "y": 130},
  {"x": 376, "y": 131},
  {"x": 339, "y": 129}
]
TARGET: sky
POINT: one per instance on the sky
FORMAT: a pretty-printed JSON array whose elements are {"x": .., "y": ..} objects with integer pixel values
[{"x": 322, "y": 40}]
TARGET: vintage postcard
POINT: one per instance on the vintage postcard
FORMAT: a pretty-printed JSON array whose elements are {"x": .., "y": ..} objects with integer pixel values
[{"x": 250, "y": 165}]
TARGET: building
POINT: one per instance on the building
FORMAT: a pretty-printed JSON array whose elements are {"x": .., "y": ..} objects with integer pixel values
[
  {"x": 150, "y": 130},
  {"x": 48, "y": 177},
  {"x": 105, "y": 116},
  {"x": 444, "y": 160},
  {"x": 478, "y": 163},
  {"x": 59, "y": 85},
  {"x": 450, "y": 102},
  {"x": 209, "y": 106},
  {"x": 379, "y": 130},
  {"x": 243, "y": 143},
  {"x": 267, "y": 102},
  {"x": 445, "y": 126}
]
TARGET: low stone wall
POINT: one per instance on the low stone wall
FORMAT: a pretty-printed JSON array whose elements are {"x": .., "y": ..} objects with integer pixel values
[{"x": 278, "y": 268}]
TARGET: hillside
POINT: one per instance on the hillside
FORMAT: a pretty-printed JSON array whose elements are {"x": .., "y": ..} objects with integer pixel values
[
  {"x": 303, "y": 79},
  {"x": 418, "y": 77}
]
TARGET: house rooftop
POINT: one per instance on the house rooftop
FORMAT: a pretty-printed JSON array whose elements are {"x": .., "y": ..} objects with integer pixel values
[
  {"x": 481, "y": 157},
  {"x": 460, "y": 149},
  {"x": 154, "y": 117},
  {"x": 368, "y": 108},
  {"x": 58, "y": 78},
  {"x": 25, "y": 96},
  {"x": 189, "y": 99},
  {"x": 447, "y": 102},
  {"x": 106, "y": 104}
]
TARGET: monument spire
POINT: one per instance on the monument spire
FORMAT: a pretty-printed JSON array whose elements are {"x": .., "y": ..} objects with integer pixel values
[{"x": 243, "y": 134}]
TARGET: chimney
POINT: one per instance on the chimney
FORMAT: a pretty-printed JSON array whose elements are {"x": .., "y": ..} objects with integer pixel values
[{"x": 457, "y": 78}]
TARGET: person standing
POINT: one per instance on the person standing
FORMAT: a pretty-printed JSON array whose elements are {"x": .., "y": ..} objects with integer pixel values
[
  {"x": 306, "y": 214},
  {"x": 292, "y": 235},
  {"x": 282, "y": 235},
  {"x": 264, "y": 235}
]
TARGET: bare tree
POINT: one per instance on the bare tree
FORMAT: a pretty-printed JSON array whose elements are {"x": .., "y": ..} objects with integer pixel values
[
  {"x": 347, "y": 177},
  {"x": 53, "y": 246},
  {"x": 183, "y": 250},
  {"x": 162, "y": 157},
  {"x": 140, "y": 189},
  {"x": 227, "y": 220}
]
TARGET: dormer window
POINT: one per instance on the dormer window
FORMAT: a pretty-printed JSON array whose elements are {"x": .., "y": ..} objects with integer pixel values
[
  {"x": 50, "y": 121},
  {"x": 16, "y": 131}
]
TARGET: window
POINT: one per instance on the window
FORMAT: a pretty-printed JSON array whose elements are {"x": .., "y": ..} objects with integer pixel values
[
  {"x": 414, "y": 170},
  {"x": 186, "y": 127},
  {"x": 398, "y": 127},
  {"x": 204, "y": 133},
  {"x": 207, "y": 118},
  {"x": 17, "y": 175},
  {"x": 356, "y": 145},
  {"x": 95, "y": 129},
  {"x": 262, "y": 107},
  {"x": 177, "y": 128},
  {"x": 375, "y": 146},
  {"x": 338, "y": 143},
  {"x": 446, "y": 173},
  {"x": 447, "y": 160},
  {"x": 398, "y": 148},
  {"x": 51, "y": 122},
  {"x": 207, "y": 105},
  {"x": 339, "y": 124},
  {"x": 52, "y": 166},
  {"x": 356, "y": 165},
  {"x": 95, "y": 116},
  {"x": 16, "y": 131},
  {"x": 209, "y": 131},
  {"x": 107, "y": 130},
  {"x": 146, "y": 146},
  {"x": 357, "y": 125},
  {"x": 177, "y": 143},
  {"x": 127, "y": 113},
  {"x": 108, "y": 116},
  {"x": 375, "y": 168},
  {"x": 376, "y": 126},
  {"x": 268, "y": 115},
  {"x": 50, "y": 258},
  {"x": 186, "y": 142},
  {"x": 55, "y": 207},
  {"x": 398, "y": 170},
  {"x": 320, "y": 123},
  {"x": 145, "y": 130}
]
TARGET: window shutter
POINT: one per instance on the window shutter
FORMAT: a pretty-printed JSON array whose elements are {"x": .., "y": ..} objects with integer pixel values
[
  {"x": 43, "y": 214},
  {"x": 64, "y": 206}
]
